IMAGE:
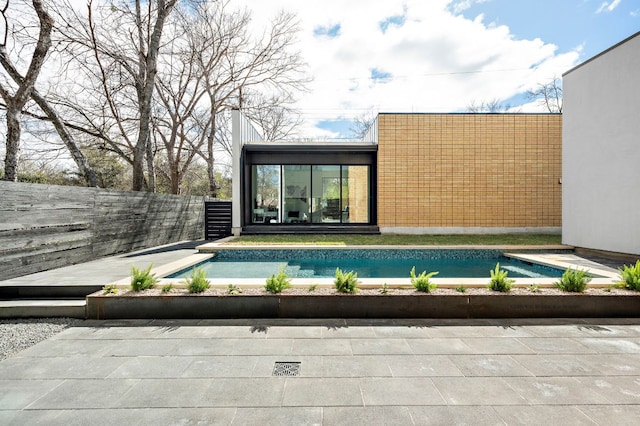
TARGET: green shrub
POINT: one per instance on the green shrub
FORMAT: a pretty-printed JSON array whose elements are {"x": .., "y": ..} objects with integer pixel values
[
  {"x": 142, "y": 279},
  {"x": 573, "y": 280},
  {"x": 630, "y": 276},
  {"x": 277, "y": 283},
  {"x": 461, "y": 289},
  {"x": 167, "y": 288},
  {"x": 499, "y": 280},
  {"x": 313, "y": 287},
  {"x": 109, "y": 289},
  {"x": 534, "y": 288},
  {"x": 384, "y": 289},
  {"x": 421, "y": 282},
  {"x": 346, "y": 283},
  {"x": 233, "y": 289},
  {"x": 197, "y": 282}
]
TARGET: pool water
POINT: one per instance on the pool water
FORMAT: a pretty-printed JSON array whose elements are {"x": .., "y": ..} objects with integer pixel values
[{"x": 378, "y": 263}]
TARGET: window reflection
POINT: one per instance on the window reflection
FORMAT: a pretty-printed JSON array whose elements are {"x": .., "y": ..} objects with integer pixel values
[{"x": 330, "y": 194}]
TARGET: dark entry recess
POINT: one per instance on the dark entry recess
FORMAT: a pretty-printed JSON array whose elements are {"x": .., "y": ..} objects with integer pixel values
[{"x": 217, "y": 219}]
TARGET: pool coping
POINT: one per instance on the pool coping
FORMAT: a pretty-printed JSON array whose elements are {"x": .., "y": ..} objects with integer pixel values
[{"x": 606, "y": 276}]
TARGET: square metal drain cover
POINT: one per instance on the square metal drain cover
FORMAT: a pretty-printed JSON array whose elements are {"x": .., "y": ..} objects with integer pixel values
[{"x": 286, "y": 369}]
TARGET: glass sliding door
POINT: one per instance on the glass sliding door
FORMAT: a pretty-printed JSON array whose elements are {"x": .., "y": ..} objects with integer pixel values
[
  {"x": 325, "y": 199},
  {"x": 296, "y": 189},
  {"x": 265, "y": 193},
  {"x": 296, "y": 194}
]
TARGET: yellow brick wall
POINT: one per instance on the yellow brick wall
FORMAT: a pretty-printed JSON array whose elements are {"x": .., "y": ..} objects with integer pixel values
[
  {"x": 358, "y": 194},
  {"x": 469, "y": 170}
]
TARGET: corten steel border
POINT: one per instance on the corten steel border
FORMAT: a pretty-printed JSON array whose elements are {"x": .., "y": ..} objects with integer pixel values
[{"x": 362, "y": 306}]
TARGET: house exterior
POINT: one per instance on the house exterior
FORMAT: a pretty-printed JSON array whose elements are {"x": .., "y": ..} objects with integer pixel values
[
  {"x": 412, "y": 173},
  {"x": 601, "y": 151}
]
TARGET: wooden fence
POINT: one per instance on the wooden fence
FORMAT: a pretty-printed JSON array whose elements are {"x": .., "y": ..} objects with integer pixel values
[{"x": 44, "y": 226}]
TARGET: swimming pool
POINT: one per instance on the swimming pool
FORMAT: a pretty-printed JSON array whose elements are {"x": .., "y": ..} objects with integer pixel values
[{"x": 368, "y": 263}]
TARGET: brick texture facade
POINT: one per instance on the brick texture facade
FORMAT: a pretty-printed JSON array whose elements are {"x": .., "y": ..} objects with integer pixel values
[{"x": 469, "y": 170}]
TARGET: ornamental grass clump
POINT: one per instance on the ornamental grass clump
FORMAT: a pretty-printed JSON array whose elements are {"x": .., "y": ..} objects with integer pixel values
[
  {"x": 276, "y": 283},
  {"x": 346, "y": 283},
  {"x": 499, "y": 280},
  {"x": 421, "y": 282},
  {"x": 630, "y": 275},
  {"x": 197, "y": 282},
  {"x": 142, "y": 279},
  {"x": 573, "y": 281}
]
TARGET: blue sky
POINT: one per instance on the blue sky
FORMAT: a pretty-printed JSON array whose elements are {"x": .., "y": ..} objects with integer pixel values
[
  {"x": 370, "y": 56},
  {"x": 566, "y": 23}
]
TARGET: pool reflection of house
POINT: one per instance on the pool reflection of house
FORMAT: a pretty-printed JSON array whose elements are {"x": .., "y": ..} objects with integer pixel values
[{"x": 412, "y": 173}]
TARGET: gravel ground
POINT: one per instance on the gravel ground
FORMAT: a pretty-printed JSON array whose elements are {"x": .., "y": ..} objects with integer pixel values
[{"x": 21, "y": 333}]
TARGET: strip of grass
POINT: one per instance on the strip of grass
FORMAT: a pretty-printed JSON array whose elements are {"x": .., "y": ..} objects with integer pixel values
[{"x": 358, "y": 240}]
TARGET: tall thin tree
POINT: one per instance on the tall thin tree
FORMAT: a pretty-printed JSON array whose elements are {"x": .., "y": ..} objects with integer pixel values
[{"x": 15, "y": 102}]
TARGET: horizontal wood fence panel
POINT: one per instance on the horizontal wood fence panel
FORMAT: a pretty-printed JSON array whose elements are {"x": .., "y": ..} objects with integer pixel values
[{"x": 46, "y": 226}]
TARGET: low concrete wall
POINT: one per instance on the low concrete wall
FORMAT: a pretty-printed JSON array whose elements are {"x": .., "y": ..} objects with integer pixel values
[{"x": 44, "y": 226}]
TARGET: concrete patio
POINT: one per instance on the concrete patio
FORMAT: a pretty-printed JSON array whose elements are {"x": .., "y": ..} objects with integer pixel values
[{"x": 400, "y": 372}]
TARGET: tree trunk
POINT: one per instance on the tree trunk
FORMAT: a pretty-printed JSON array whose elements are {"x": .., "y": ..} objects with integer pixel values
[
  {"x": 86, "y": 170},
  {"x": 174, "y": 176},
  {"x": 13, "y": 144},
  {"x": 151, "y": 170},
  {"x": 16, "y": 102},
  {"x": 138, "y": 168},
  {"x": 213, "y": 187}
]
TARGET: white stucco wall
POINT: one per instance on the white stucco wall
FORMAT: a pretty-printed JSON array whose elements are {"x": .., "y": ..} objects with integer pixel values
[{"x": 601, "y": 151}]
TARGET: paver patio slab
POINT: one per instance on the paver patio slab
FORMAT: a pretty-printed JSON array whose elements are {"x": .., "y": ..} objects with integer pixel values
[
  {"x": 355, "y": 366},
  {"x": 151, "y": 367},
  {"x": 78, "y": 393},
  {"x": 17, "y": 394},
  {"x": 477, "y": 391},
  {"x": 455, "y": 415},
  {"x": 366, "y": 416},
  {"x": 380, "y": 347},
  {"x": 220, "y": 366},
  {"x": 547, "y": 415},
  {"x": 439, "y": 346},
  {"x": 555, "y": 391},
  {"x": 293, "y": 416},
  {"x": 546, "y": 345},
  {"x": 612, "y": 345},
  {"x": 321, "y": 347},
  {"x": 403, "y": 391},
  {"x": 489, "y": 365},
  {"x": 322, "y": 392},
  {"x": 421, "y": 366},
  {"x": 58, "y": 368},
  {"x": 619, "y": 415},
  {"x": 621, "y": 390},
  {"x": 496, "y": 345},
  {"x": 580, "y": 365}
]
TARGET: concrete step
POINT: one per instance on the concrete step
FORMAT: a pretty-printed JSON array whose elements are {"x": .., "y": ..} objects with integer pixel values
[
  {"x": 43, "y": 308},
  {"x": 44, "y": 291}
]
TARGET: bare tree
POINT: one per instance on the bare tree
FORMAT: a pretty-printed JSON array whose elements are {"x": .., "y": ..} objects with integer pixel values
[
  {"x": 16, "y": 102},
  {"x": 178, "y": 120},
  {"x": 86, "y": 171},
  {"x": 272, "y": 114},
  {"x": 118, "y": 47},
  {"x": 491, "y": 106},
  {"x": 361, "y": 125},
  {"x": 234, "y": 63},
  {"x": 548, "y": 95}
]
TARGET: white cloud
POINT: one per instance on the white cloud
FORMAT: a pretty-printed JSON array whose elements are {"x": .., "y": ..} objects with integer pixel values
[
  {"x": 436, "y": 61},
  {"x": 608, "y": 6},
  {"x": 462, "y": 5}
]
